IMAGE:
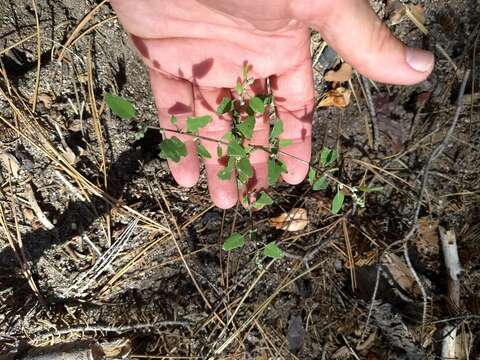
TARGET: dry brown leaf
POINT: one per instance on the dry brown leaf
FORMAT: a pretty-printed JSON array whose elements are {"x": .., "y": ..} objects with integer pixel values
[
  {"x": 366, "y": 259},
  {"x": 339, "y": 97},
  {"x": 10, "y": 162},
  {"x": 367, "y": 344},
  {"x": 400, "y": 273},
  {"x": 400, "y": 10},
  {"x": 344, "y": 73},
  {"x": 117, "y": 349},
  {"x": 397, "y": 15},
  {"x": 29, "y": 215},
  {"x": 46, "y": 100},
  {"x": 428, "y": 241},
  {"x": 75, "y": 125},
  {"x": 68, "y": 154},
  {"x": 342, "y": 353},
  {"x": 418, "y": 11},
  {"x": 295, "y": 220}
]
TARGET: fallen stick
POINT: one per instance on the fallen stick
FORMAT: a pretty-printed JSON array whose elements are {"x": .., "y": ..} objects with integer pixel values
[{"x": 454, "y": 270}]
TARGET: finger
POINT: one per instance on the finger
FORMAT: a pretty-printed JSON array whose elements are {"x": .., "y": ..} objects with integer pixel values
[
  {"x": 353, "y": 29},
  {"x": 223, "y": 192},
  {"x": 258, "y": 158},
  {"x": 294, "y": 101},
  {"x": 175, "y": 97}
]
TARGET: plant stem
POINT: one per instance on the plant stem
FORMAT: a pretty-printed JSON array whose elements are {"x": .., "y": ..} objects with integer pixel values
[{"x": 322, "y": 172}]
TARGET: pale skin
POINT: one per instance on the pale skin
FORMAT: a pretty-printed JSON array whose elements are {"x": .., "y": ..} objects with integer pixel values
[{"x": 195, "y": 51}]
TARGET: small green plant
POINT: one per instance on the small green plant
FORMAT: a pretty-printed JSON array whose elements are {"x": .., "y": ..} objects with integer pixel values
[
  {"x": 244, "y": 110},
  {"x": 328, "y": 157}
]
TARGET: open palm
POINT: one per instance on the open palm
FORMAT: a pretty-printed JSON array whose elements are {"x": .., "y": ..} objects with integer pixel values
[{"x": 196, "y": 50}]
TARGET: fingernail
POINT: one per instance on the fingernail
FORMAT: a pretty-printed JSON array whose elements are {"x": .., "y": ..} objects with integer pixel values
[{"x": 420, "y": 60}]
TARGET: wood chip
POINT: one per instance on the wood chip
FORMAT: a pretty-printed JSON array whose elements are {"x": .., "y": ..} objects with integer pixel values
[
  {"x": 30, "y": 195},
  {"x": 10, "y": 162},
  {"x": 295, "y": 220}
]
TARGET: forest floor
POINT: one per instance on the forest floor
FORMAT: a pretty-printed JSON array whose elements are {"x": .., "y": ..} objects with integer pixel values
[{"x": 98, "y": 243}]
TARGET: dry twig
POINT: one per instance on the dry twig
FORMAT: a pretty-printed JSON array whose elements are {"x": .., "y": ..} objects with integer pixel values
[{"x": 405, "y": 240}]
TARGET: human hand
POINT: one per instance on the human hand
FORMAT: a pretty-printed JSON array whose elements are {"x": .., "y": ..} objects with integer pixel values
[{"x": 195, "y": 50}]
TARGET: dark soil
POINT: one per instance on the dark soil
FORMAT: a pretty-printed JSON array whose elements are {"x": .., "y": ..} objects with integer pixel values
[{"x": 306, "y": 305}]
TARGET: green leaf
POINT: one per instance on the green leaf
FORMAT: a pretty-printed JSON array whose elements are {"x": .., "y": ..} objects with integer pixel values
[
  {"x": 324, "y": 155},
  {"x": 312, "y": 173},
  {"x": 226, "y": 173},
  {"x": 275, "y": 169},
  {"x": 244, "y": 167},
  {"x": 327, "y": 157},
  {"x": 277, "y": 129},
  {"x": 320, "y": 184},
  {"x": 120, "y": 106},
  {"x": 228, "y": 136},
  {"x": 173, "y": 149},
  {"x": 242, "y": 179},
  {"x": 284, "y": 142},
  {"x": 195, "y": 123},
  {"x": 257, "y": 105},
  {"x": 235, "y": 149},
  {"x": 219, "y": 151},
  {"x": 239, "y": 88},
  {"x": 263, "y": 200},
  {"x": 246, "y": 127},
  {"x": 234, "y": 241},
  {"x": 271, "y": 250},
  {"x": 337, "y": 202},
  {"x": 203, "y": 152},
  {"x": 226, "y": 105},
  {"x": 333, "y": 157},
  {"x": 173, "y": 120}
]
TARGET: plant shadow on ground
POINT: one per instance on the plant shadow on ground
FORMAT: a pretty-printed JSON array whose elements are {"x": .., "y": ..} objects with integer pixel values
[{"x": 121, "y": 173}]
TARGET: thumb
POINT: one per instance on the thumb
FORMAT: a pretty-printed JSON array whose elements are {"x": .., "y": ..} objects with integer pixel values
[{"x": 353, "y": 29}]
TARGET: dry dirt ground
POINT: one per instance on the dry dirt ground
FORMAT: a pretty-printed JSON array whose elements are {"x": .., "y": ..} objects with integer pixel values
[{"x": 97, "y": 243}]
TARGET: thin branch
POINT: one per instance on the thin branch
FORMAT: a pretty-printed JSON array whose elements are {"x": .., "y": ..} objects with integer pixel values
[
  {"x": 404, "y": 241},
  {"x": 108, "y": 329},
  {"x": 371, "y": 110},
  {"x": 321, "y": 171}
]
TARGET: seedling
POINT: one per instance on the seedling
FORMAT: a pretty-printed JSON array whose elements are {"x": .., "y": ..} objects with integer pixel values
[{"x": 244, "y": 110}]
